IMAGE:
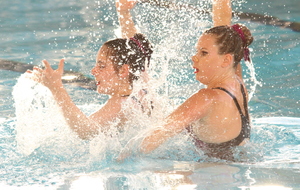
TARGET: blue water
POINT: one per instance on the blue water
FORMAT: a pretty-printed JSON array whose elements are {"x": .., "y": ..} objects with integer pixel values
[{"x": 33, "y": 30}]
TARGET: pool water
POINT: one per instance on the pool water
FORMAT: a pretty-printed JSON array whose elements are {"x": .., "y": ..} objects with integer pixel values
[{"x": 33, "y": 30}]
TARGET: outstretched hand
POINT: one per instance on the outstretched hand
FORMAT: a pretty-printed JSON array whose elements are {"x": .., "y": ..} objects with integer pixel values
[
  {"x": 48, "y": 76},
  {"x": 125, "y": 153},
  {"x": 125, "y": 5}
]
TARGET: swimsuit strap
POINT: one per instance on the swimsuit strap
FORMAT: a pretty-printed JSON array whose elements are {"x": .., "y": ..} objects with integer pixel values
[
  {"x": 223, "y": 150},
  {"x": 234, "y": 98},
  {"x": 245, "y": 133},
  {"x": 245, "y": 101}
]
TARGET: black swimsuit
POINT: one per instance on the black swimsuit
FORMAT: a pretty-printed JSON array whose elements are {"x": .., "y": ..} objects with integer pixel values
[{"x": 224, "y": 150}]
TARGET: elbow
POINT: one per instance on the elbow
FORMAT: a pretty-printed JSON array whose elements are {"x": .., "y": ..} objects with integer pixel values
[
  {"x": 85, "y": 135},
  {"x": 85, "y": 132}
]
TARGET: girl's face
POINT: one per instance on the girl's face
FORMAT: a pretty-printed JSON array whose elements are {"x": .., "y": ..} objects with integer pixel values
[
  {"x": 107, "y": 79},
  {"x": 207, "y": 59}
]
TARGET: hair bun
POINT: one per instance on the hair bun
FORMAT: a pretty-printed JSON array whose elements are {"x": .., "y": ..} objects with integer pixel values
[
  {"x": 247, "y": 34},
  {"x": 147, "y": 47}
]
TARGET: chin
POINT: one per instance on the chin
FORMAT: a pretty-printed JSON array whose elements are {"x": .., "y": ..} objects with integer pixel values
[
  {"x": 101, "y": 90},
  {"x": 106, "y": 91},
  {"x": 202, "y": 80}
]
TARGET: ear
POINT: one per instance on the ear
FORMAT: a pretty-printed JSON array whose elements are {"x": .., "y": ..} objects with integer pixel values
[
  {"x": 228, "y": 60},
  {"x": 124, "y": 71}
]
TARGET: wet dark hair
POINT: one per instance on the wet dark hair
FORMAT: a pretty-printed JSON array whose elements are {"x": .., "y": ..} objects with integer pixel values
[
  {"x": 135, "y": 52},
  {"x": 229, "y": 40}
]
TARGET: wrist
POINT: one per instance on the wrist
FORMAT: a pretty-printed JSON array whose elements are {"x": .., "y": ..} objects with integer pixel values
[
  {"x": 123, "y": 11},
  {"x": 56, "y": 88}
]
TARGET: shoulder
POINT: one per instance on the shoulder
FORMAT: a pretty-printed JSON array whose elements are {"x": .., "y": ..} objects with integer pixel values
[
  {"x": 205, "y": 94},
  {"x": 201, "y": 100},
  {"x": 206, "y": 98}
]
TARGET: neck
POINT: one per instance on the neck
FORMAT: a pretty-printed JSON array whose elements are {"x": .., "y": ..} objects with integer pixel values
[
  {"x": 123, "y": 92},
  {"x": 223, "y": 80}
]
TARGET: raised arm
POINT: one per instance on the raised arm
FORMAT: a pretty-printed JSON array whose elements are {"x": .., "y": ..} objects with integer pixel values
[
  {"x": 128, "y": 28},
  {"x": 222, "y": 15},
  {"x": 85, "y": 127},
  {"x": 221, "y": 12},
  {"x": 75, "y": 118}
]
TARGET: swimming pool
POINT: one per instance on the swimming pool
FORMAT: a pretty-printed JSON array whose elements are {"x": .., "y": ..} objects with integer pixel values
[{"x": 33, "y": 30}]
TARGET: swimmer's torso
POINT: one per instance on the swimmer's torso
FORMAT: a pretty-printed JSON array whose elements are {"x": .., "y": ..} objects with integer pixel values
[{"x": 225, "y": 126}]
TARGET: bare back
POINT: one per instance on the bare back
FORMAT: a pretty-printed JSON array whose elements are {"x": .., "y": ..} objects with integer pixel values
[{"x": 223, "y": 119}]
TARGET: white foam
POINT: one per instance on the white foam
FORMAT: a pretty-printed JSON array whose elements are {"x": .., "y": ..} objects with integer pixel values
[
  {"x": 277, "y": 120},
  {"x": 39, "y": 120}
]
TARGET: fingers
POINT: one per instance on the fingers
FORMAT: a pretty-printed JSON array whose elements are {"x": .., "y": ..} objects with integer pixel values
[
  {"x": 37, "y": 69},
  {"x": 47, "y": 64},
  {"x": 123, "y": 155},
  {"x": 61, "y": 66},
  {"x": 29, "y": 71},
  {"x": 34, "y": 74},
  {"x": 38, "y": 74}
]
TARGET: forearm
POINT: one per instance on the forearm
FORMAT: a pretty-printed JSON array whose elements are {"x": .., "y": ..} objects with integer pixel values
[
  {"x": 123, "y": 7},
  {"x": 221, "y": 12},
  {"x": 193, "y": 109},
  {"x": 160, "y": 135},
  {"x": 127, "y": 25},
  {"x": 154, "y": 140},
  {"x": 75, "y": 118}
]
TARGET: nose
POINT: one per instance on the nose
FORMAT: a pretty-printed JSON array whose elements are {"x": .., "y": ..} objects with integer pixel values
[
  {"x": 194, "y": 59},
  {"x": 94, "y": 71}
]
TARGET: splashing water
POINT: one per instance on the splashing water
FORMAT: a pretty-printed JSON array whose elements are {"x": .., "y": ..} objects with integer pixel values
[
  {"x": 177, "y": 33},
  {"x": 39, "y": 119},
  {"x": 253, "y": 79},
  {"x": 41, "y": 128},
  {"x": 52, "y": 155}
]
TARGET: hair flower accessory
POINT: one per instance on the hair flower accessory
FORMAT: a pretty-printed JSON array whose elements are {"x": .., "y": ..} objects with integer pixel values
[{"x": 237, "y": 28}]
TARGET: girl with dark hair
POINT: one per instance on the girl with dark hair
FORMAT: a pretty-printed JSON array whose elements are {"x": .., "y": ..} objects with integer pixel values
[{"x": 119, "y": 63}]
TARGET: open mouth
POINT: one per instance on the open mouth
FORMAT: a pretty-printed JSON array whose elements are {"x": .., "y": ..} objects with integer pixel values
[{"x": 196, "y": 70}]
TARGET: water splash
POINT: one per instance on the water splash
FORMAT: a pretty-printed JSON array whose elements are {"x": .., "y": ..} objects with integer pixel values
[
  {"x": 252, "y": 79},
  {"x": 39, "y": 119}
]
